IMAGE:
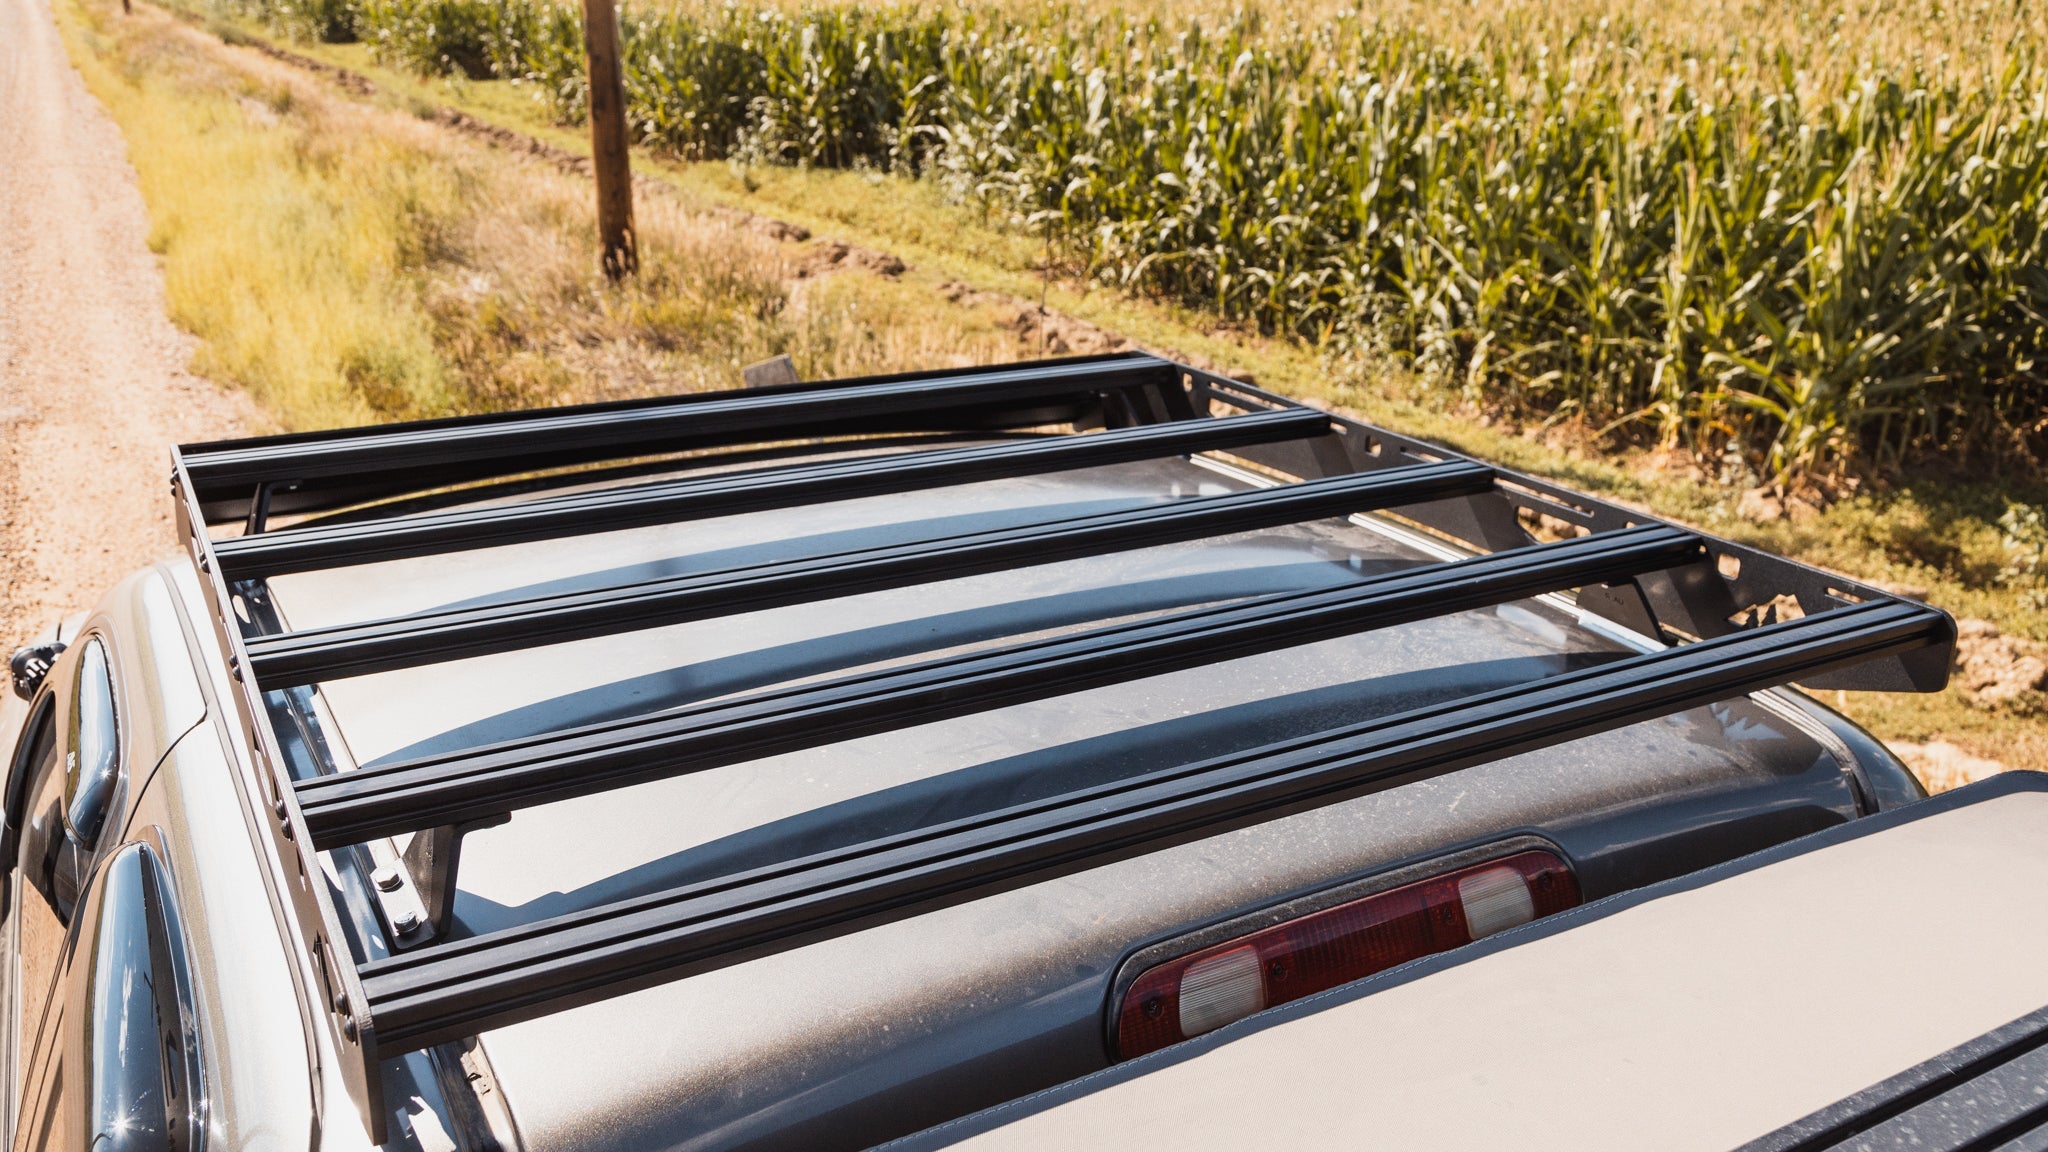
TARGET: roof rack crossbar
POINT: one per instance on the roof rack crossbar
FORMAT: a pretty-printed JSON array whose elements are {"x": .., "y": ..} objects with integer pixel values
[
  {"x": 328, "y": 469},
  {"x": 462, "y": 987},
  {"x": 1670, "y": 586},
  {"x": 432, "y": 533},
  {"x": 491, "y": 782},
  {"x": 296, "y": 658}
]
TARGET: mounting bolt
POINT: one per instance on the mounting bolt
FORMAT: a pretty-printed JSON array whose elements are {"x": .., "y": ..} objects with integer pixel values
[
  {"x": 405, "y": 922},
  {"x": 387, "y": 879}
]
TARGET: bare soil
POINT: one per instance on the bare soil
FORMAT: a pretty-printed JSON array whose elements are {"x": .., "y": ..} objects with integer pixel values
[
  {"x": 93, "y": 389},
  {"x": 1999, "y": 670}
]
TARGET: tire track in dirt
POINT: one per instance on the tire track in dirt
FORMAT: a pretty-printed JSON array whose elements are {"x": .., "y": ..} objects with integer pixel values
[{"x": 93, "y": 388}]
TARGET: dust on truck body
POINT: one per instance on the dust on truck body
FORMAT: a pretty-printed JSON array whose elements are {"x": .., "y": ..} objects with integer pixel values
[{"x": 802, "y": 766}]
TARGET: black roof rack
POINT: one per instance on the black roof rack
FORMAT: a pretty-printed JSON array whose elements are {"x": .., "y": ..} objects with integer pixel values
[
  {"x": 460, "y": 788},
  {"x": 348, "y": 544},
  {"x": 316, "y": 471},
  {"x": 1737, "y": 621},
  {"x": 294, "y": 658},
  {"x": 433, "y": 995}
]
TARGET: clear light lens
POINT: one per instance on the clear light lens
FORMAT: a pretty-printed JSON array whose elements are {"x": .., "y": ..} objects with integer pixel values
[
  {"x": 1495, "y": 900},
  {"x": 1227, "y": 986}
]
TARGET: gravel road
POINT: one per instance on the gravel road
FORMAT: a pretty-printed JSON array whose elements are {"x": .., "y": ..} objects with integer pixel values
[{"x": 93, "y": 389}]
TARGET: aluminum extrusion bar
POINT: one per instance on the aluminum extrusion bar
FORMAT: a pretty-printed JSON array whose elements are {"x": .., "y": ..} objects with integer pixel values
[
  {"x": 494, "y": 781},
  {"x": 266, "y": 796},
  {"x": 310, "y": 656},
  {"x": 466, "y": 986},
  {"x": 698, "y": 497},
  {"x": 328, "y": 468}
]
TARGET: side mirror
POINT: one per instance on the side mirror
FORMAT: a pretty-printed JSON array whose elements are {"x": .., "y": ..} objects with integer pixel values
[
  {"x": 92, "y": 757},
  {"x": 132, "y": 1048},
  {"x": 28, "y": 666}
]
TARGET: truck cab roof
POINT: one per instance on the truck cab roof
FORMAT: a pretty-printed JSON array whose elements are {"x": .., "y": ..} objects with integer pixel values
[
  {"x": 801, "y": 767},
  {"x": 840, "y": 1042}
]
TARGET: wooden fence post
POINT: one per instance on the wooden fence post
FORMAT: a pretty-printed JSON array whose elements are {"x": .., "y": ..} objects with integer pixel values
[{"x": 608, "y": 153}]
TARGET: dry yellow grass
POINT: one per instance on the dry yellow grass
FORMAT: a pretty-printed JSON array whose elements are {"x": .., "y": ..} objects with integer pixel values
[
  {"x": 348, "y": 262},
  {"x": 280, "y": 251}
]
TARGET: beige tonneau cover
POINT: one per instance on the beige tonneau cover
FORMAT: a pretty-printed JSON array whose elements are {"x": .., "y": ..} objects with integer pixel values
[{"x": 1703, "y": 1013}]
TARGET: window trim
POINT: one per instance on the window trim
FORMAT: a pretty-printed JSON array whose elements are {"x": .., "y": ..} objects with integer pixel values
[{"x": 42, "y": 712}]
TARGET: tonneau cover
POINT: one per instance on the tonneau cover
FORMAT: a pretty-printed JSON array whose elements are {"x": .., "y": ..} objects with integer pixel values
[{"x": 1702, "y": 1013}]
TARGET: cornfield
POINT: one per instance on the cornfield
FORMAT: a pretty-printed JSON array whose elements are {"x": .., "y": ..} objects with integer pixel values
[{"x": 1807, "y": 259}]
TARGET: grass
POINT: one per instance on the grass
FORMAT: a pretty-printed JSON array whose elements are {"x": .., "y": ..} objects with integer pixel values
[
  {"x": 289, "y": 273},
  {"x": 1805, "y": 239},
  {"x": 348, "y": 262},
  {"x": 486, "y": 285}
]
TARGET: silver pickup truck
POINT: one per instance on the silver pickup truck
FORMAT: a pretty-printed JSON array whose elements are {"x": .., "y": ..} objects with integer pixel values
[{"x": 804, "y": 766}]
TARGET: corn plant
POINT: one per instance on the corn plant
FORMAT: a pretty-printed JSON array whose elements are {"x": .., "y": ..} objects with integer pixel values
[{"x": 1816, "y": 269}]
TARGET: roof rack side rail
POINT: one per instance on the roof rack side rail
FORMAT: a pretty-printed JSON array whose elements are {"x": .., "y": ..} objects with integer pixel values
[
  {"x": 321, "y": 470},
  {"x": 459, "y": 988},
  {"x": 327, "y": 980},
  {"x": 724, "y": 494},
  {"x": 491, "y": 782},
  {"x": 295, "y": 658}
]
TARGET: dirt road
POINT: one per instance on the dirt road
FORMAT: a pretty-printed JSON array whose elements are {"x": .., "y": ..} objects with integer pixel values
[{"x": 93, "y": 389}]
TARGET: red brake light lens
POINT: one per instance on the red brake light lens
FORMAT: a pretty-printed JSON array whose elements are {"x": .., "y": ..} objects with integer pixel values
[{"x": 1211, "y": 987}]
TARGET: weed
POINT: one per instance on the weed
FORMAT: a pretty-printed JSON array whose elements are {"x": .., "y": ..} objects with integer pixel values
[
  {"x": 1815, "y": 256},
  {"x": 350, "y": 263}
]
